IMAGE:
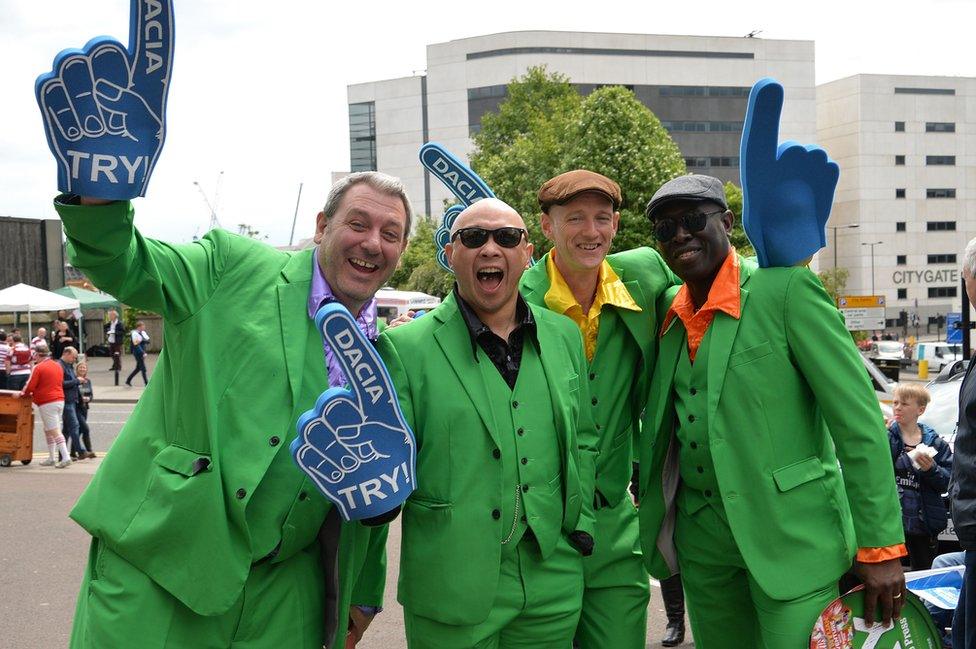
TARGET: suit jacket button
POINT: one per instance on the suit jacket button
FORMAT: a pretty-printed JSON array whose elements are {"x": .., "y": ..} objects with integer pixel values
[
  {"x": 525, "y": 488},
  {"x": 520, "y": 432},
  {"x": 691, "y": 418},
  {"x": 594, "y": 401},
  {"x": 592, "y": 375},
  {"x": 496, "y": 514},
  {"x": 496, "y": 454},
  {"x": 515, "y": 404},
  {"x": 241, "y": 493},
  {"x": 525, "y": 460},
  {"x": 275, "y": 440},
  {"x": 303, "y": 496}
]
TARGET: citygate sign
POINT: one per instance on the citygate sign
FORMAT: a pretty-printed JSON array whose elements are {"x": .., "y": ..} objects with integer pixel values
[{"x": 945, "y": 276}]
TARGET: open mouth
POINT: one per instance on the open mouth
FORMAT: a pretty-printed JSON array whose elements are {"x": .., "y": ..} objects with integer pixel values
[
  {"x": 362, "y": 265},
  {"x": 686, "y": 255},
  {"x": 490, "y": 278}
]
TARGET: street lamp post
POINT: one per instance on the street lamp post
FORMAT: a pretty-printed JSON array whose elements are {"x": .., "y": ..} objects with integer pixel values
[
  {"x": 872, "y": 244},
  {"x": 835, "y": 228}
]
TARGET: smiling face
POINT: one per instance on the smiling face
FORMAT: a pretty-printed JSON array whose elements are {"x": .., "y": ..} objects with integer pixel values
[
  {"x": 488, "y": 276},
  {"x": 581, "y": 231},
  {"x": 360, "y": 246},
  {"x": 696, "y": 257}
]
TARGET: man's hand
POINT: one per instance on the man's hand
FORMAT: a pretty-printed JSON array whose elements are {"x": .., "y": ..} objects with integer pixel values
[
  {"x": 401, "y": 319},
  {"x": 787, "y": 189},
  {"x": 355, "y": 444},
  {"x": 884, "y": 586},
  {"x": 358, "y": 623},
  {"x": 104, "y": 106}
]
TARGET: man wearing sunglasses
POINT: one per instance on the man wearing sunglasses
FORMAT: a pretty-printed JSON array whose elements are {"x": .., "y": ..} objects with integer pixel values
[
  {"x": 495, "y": 391},
  {"x": 757, "y": 392},
  {"x": 611, "y": 300}
]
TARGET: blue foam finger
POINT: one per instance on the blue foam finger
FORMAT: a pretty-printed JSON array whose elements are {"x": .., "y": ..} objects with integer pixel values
[
  {"x": 456, "y": 176},
  {"x": 355, "y": 445},
  {"x": 787, "y": 188},
  {"x": 106, "y": 127},
  {"x": 442, "y": 236}
]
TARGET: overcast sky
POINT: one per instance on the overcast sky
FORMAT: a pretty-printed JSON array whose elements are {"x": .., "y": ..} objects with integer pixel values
[{"x": 259, "y": 88}]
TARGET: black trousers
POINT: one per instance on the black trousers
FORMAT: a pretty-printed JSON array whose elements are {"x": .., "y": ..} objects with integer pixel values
[
  {"x": 140, "y": 368},
  {"x": 922, "y": 550}
]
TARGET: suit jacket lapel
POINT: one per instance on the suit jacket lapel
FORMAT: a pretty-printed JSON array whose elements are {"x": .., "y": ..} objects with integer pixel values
[
  {"x": 535, "y": 283},
  {"x": 639, "y": 322},
  {"x": 455, "y": 343},
  {"x": 296, "y": 278},
  {"x": 551, "y": 353},
  {"x": 672, "y": 344},
  {"x": 723, "y": 331}
]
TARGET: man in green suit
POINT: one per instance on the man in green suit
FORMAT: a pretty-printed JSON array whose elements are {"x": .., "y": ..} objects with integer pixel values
[
  {"x": 757, "y": 393},
  {"x": 495, "y": 391},
  {"x": 612, "y": 301},
  {"x": 204, "y": 531}
]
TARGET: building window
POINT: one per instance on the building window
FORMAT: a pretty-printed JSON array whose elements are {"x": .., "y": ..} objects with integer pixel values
[
  {"x": 942, "y": 259},
  {"x": 899, "y": 160},
  {"x": 900, "y": 192},
  {"x": 901, "y": 260},
  {"x": 899, "y": 226},
  {"x": 362, "y": 137},
  {"x": 941, "y": 226},
  {"x": 899, "y": 127},
  {"x": 603, "y": 51},
  {"x": 942, "y": 291},
  {"x": 714, "y": 161},
  {"x": 940, "y": 127},
  {"x": 940, "y": 192},
  {"x": 702, "y": 127},
  {"x": 903, "y": 294},
  {"x": 704, "y": 91},
  {"x": 925, "y": 91},
  {"x": 936, "y": 160}
]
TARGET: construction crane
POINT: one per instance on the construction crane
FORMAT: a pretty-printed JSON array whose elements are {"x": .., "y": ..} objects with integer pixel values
[{"x": 214, "y": 223}]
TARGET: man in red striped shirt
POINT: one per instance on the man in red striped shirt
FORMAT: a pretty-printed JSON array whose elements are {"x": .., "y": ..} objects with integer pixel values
[{"x": 45, "y": 388}]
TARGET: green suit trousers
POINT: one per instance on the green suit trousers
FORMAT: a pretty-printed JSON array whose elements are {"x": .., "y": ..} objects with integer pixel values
[
  {"x": 537, "y": 605},
  {"x": 616, "y": 593},
  {"x": 726, "y": 606},
  {"x": 119, "y": 607}
]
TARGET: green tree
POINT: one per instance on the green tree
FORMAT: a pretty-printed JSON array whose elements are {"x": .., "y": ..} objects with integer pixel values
[
  {"x": 430, "y": 278},
  {"x": 617, "y": 136},
  {"x": 733, "y": 197},
  {"x": 545, "y": 128},
  {"x": 834, "y": 281},
  {"x": 420, "y": 248}
]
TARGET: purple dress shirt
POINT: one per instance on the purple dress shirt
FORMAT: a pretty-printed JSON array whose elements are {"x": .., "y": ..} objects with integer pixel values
[{"x": 320, "y": 294}]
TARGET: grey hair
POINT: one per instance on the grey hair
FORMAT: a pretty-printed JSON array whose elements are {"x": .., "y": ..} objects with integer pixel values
[
  {"x": 68, "y": 350},
  {"x": 381, "y": 182},
  {"x": 969, "y": 259},
  {"x": 42, "y": 350}
]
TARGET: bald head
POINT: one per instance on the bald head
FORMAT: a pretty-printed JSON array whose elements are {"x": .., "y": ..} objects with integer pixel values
[
  {"x": 488, "y": 213},
  {"x": 488, "y": 272}
]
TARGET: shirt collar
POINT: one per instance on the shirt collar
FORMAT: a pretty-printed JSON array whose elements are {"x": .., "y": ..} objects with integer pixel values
[
  {"x": 609, "y": 290},
  {"x": 476, "y": 328},
  {"x": 723, "y": 296},
  {"x": 320, "y": 293}
]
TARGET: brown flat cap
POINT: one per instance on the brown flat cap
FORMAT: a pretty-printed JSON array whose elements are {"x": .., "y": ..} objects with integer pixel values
[{"x": 564, "y": 187}]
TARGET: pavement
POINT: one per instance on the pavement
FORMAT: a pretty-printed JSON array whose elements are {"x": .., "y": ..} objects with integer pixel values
[{"x": 108, "y": 387}]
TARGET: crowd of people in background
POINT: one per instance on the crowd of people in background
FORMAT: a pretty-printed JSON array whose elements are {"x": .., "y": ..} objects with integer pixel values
[{"x": 50, "y": 370}]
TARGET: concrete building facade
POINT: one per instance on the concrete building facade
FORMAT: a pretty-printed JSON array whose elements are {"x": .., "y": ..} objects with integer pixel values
[
  {"x": 697, "y": 86},
  {"x": 906, "y": 146}
]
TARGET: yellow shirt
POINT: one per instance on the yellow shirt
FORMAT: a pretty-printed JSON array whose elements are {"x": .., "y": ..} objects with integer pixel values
[{"x": 609, "y": 290}]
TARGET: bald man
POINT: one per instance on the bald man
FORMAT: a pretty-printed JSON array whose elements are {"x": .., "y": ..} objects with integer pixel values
[{"x": 494, "y": 535}]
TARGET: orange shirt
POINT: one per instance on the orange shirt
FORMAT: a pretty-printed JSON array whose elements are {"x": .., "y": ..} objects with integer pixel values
[{"x": 724, "y": 296}]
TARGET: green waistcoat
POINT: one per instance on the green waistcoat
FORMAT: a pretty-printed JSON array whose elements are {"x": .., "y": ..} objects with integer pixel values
[
  {"x": 528, "y": 450},
  {"x": 286, "y": 507},
  {"x": 615, "y": 358},
  {"x": 690, "y": 397}
]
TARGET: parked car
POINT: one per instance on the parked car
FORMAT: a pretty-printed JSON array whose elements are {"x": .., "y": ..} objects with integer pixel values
[
  {"x": 884, "y": 387},
  {"x": 938, "y": 354}
]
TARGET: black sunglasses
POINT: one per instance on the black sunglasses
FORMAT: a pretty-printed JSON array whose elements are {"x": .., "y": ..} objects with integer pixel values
[
  {"x": 507, "y": 237},
  {"x": 694, "y": 221}
]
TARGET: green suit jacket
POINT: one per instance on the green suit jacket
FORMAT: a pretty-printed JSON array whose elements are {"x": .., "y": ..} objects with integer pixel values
[
  {"x": 787, "y": 398},
  {"x": 171, "y": 495},
  {"x": 451, "y": 550},
  {"x": 622, "y": 392}
]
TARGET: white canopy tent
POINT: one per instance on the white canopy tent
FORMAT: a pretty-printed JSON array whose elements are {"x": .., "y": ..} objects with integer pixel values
[{"x": 22, "y": 297}]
